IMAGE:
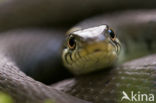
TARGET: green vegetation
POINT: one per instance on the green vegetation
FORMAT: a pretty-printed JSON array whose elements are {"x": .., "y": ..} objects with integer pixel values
[
  {"x": 49, "y": 101},
  {"x": 5, "y": 98}
]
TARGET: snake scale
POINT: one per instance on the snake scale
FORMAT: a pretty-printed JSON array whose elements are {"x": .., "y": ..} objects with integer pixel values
[
  {"x": 20, "y": 51},
  {"x": 131, "y": 28}
]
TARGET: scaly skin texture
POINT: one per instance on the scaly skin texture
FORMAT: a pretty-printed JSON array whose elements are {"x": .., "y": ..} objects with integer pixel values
[
  {"x": 93, "y": 45},
  {"x": 24, "y": 89},
  {"x": 32, "y": 50},
  {"x": 14, "y": 82},
  {"x": 138, "y": 37},
  {"x": 97, "y": 87},
  {"x": 107, "y": 86}
]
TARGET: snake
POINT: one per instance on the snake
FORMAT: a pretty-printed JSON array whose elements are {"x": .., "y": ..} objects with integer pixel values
[
  {"x": 92, "y": 45},
  {"x": 128, "y": 42},
  {"x": 94, "y": 51},
  {"x": 96, "y": 46}
]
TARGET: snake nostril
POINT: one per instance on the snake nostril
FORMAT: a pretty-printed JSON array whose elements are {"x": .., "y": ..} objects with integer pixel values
[{"x": 97, "y": 50}]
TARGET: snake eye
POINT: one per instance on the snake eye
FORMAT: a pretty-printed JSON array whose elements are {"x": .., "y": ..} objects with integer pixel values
[
  {"x": 71, "y": 43},
  {"x": 111, "y": 33}
]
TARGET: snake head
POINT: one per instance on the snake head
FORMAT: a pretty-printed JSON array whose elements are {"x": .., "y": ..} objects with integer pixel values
[{"x": 91, "y": 49}]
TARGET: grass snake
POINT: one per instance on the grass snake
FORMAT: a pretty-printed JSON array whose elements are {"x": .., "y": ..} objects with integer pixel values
[{"x": 136, "y": 32}]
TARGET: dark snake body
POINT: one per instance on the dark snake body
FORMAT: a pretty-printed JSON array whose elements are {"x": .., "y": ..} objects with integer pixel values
[{"x": 37, "y": 52}]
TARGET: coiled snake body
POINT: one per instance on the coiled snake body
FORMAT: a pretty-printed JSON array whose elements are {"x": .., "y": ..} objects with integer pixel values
[
  {"x": 134, "y": 76},
  {"x": 32, "y": 55}
]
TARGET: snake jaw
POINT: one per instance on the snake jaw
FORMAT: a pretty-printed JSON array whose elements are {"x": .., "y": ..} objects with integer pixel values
[
  {"x": 90, "y": 59},
  {"x": 94, "y": 51}
]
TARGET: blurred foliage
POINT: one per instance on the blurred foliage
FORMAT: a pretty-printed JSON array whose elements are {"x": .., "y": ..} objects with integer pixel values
[
  {"x": 49, "y": 101},
  {"x": 5, "y": 98}
]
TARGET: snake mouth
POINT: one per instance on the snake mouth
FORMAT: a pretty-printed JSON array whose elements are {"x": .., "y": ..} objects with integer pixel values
[{"x": 91, "y": 58}]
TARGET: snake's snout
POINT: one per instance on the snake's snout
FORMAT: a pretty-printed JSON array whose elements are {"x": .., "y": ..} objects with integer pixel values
[{"x": 90, "y": 49}]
